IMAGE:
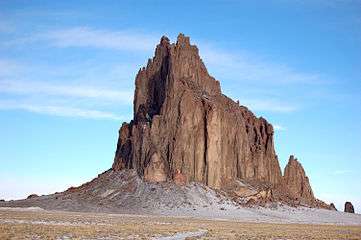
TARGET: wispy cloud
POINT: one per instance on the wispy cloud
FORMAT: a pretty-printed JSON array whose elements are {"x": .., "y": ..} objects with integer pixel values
[
  {"x": 236, "y": 66},
  {"x": 46, "y": 88},
  {"x": 246, "y": 68},
  {"x": 64, "y": 96},
  {"x": 341, "y": 172},
  {"x": 278, "y": 127},
  {"x": 267, "y": 105},
  {"x": 62, "y": 111},
  {"x": 99, "y": 38},
  {"x": 6, "y": 27},
  {"x": 8, "y": 67}
]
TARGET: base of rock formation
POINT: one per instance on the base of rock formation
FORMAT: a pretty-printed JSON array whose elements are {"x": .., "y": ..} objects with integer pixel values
[{"x": 125, "y": 192}]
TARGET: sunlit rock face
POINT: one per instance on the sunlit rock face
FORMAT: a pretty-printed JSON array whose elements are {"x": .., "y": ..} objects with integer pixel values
[{"x": 197, "y": 133}]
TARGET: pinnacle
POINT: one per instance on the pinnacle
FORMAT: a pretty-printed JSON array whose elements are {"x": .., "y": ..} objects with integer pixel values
[
  {"x": 164, "y": 40},
  {"x": 183, "y": 40}
]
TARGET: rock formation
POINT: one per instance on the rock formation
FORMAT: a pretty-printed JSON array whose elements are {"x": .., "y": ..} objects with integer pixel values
[
  {"x": 349, "y": 207},
  {"x": 184, "y": 126},
  {"x": 185, "y": 130},
  {"x": 333, "y": 207},
  {"x": 297, "y": 182}
]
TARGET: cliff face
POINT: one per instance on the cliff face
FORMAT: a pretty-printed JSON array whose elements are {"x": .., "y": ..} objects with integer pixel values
[{"x": 185, "y": 128}]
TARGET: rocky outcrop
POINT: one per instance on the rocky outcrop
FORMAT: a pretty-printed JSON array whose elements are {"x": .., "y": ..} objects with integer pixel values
[
  {"x": 333, "y": 207},
  {"x": 185, "y": 129},
  {"x": 32, "y": 196},
  {"x": 349, "y": 207},
  {"x": 297, "y": 182}
]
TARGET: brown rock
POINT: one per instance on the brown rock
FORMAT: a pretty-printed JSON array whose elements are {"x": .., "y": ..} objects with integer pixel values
[
  {"x": 349, "y": 207},
  {"x": 297, "y": 182},
  {"x": 32, "y": 196},
  {"x": 332, "y": 207},
  {"x": 155, "y": 169},
  {"x": 180, "y": 113},
  {"x": 179, "y": 178}
]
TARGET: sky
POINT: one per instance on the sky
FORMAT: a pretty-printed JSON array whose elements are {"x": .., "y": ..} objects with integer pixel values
[{"x": 67, "y": 73}]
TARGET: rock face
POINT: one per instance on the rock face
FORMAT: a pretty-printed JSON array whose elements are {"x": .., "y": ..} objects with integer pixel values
[
  {"x": 349, "y": 207},
  {"x": 297, "y": 182},
  {"x": 185, "y": 129}
]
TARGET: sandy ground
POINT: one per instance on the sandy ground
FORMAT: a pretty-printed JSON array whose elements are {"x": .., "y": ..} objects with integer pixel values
[{"x": 34, "y": 223}]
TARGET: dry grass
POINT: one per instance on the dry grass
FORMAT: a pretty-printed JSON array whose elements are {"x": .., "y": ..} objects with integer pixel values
[{"x": 71, "y": 225}]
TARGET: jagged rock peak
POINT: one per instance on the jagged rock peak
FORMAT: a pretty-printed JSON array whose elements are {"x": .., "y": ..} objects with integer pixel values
[
  {"x": 184, "y": 129},
  {"x": 297, "y": 182},
  {"x": 182, "y": 40},
  {"x": 164, "y": 41}
]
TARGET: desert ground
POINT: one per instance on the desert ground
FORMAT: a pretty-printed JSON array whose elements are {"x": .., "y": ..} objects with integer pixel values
[{"x": 35, "y": 223}]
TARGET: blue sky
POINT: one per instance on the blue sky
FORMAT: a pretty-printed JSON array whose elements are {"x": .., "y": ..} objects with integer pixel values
[{"x": 67, "y": 80}]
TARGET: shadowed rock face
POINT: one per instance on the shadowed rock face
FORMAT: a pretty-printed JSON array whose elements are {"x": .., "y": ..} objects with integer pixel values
[
  {"x": 349, "y": 207},
  {"x": 297, "y": 182},
  {"x": 197, "y": 133}
]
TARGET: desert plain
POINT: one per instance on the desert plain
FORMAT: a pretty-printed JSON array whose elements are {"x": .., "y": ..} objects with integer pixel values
[{"x": 35, "y": 223}]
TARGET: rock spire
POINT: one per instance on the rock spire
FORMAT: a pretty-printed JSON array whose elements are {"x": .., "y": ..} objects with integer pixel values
[{"x": 184, "y": 126}]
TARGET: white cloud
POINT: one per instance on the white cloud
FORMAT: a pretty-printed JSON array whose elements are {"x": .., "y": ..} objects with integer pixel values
[
  {"x": 88, "y": 37},
  {"x": 62, "y": 111},
  {"x": 6, "y": 26},
  {"x": 341, "y": 172},
  {"x": 46, "y": 88},
  {"x": 80, "y": 99},
  {"x": 8, "y": 68},
  {"x": 244, "y": 67},
  {"x": 239, "y": 66},
  {"x": 279, "y": 127},
  {"x": 267, "y": 105}
]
